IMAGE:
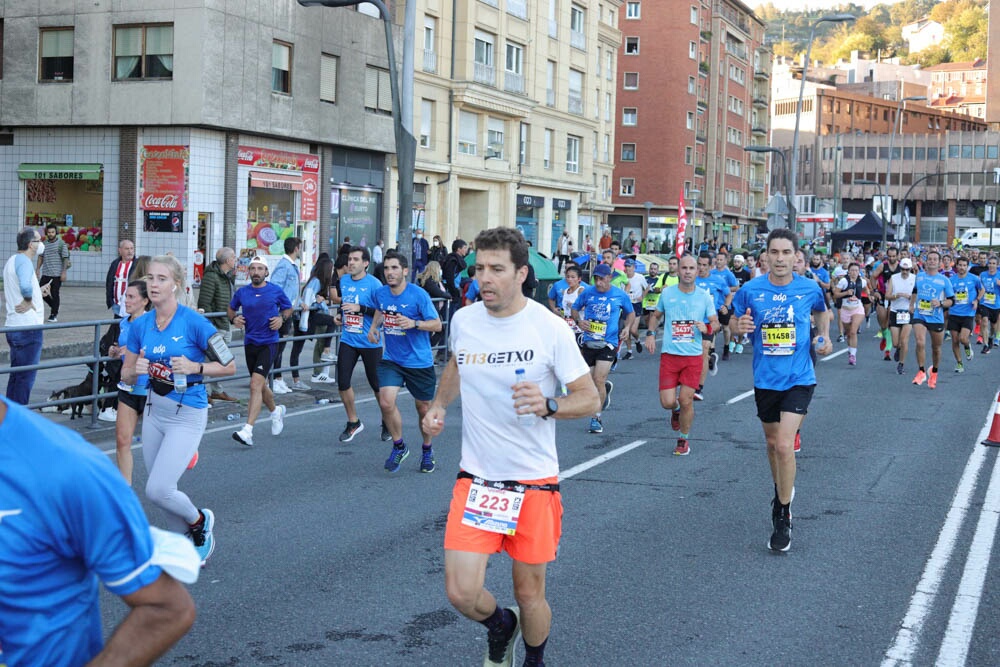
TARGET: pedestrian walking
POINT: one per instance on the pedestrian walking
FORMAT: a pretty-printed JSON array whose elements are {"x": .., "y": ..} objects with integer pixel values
[
  {"x": 508, "y": 459},
  {"x": 52, "y": 267},
  {"x": 286, "y": 276},
  {"x": 23, "y": 296}
]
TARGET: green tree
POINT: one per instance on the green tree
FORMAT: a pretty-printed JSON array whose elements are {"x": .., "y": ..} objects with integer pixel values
[
  {"x": 932, "y": 55},
  {"x": 966, "y": 33}
]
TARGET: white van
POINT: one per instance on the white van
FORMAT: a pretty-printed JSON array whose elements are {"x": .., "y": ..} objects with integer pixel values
[{"x": 982, "y": 237}]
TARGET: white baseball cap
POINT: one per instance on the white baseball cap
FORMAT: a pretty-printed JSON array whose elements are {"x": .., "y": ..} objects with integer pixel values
[{"x": 906, "y": 263}]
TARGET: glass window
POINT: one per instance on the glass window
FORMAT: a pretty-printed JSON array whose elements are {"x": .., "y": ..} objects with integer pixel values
[
  {"x": 495, "y": 138},
  {"x": 991, "y": 152},
  {"x": 626, "y": 187},
  {"x": 691, "y": 88},
  {"x": 628, "y": 152},
  {"x": 426, "y": 122},
  {"x": 694, "y": 15},
  {"x": 144, "y": 52},
  {"x": 547, "y": 149},
  {"x": 871, "y": 152},
  {"x": 56, "y": 55},
  {"x": 484, "y": 49},
  {"x": 967, "y": 151},
  {"x": 468, "y": 133},
  {"x": 630, "y": 116},
  {"x": 932, "y": 153},
  {"x": 631, "y": 81},
  {"x": 848, "y": 152},
  {"x": 690, "y": 120},
  {"x": 573, "y": 154},
  {"x": 920, "y": 154},
  {"x": 979, "y": 152},
  {"x": 577, "y": 18},
  {"x": 430, "y": 29},
  {"x": 525, "y": 134},
  {"x": 953, "y": 151},
  {"x": 281, "y": 68},
  {"x": 378, "y": 94},
  {"x": 633, "y": 10},
  {"x": 631, "y": 46},
  {"x": 515, "y": 58},
  {"x": 907, "y": 153}
]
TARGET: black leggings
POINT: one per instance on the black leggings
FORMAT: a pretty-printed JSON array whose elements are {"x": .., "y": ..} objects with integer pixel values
[
  {"x": 347, "y": 359},
  {"x": 316, "y": 319}
]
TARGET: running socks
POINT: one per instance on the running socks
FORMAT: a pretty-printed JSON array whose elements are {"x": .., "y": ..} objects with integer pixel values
[
  {"x": 398, "y": 444},
  {"x": 533, "y": 654},
  {"x": 501, "y": 620},
  {"x": 682, "y": 436},
  {"x": 426, "y": 446}
]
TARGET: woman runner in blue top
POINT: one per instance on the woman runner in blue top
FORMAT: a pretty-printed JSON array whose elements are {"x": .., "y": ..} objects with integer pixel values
[{"x": 168, "y": 345}]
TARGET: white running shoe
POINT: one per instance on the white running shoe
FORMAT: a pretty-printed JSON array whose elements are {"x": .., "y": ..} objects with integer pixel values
[
  {"x": 278, "y": 420},
  {"x": 327, "y": 356},
  {"x": 279, "y": 387},
  {"x": 108, "y": 415},
  {"x": 244, "y": 436},
  {"x": 299, "y": 385},
  {"x": 322, "y": 378}
]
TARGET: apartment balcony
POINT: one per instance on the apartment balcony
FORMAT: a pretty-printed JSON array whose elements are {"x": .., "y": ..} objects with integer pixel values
[
  {"x": 705, "y": 35},
  {"x": 703, "y": 104},
  {"x": 430, "y": 61},
  {"x": 703, "y": 68},
  {"x": 575, "y": 105},
  {"x": 578, "y": 40},
  {"x": 760, "y": 101},
  {"x": 518, "y": 8},
  {"x": 756, "y": 186},
  {"x": 484, "y": 74},
  {"x": 699, "y": 171},
  {"x": 738, "y": 50},
  {"x": 757, "y": 158},
  {"x": 759, "y": 130},
  {"x": 513, "y": 82},
  {"x": 760, "y": 73},
  {"x": 700, "y": 136}
]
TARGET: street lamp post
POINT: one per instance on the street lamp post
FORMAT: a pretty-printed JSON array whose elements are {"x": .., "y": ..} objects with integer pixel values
[
  {"x": 900, "y": 106},
  {"x": 789, "y": 209},
  {"x": 829, "y": 18},
  {"x": 406, "y": 144}
]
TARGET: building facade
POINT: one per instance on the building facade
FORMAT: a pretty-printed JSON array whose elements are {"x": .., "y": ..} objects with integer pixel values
[
  {"x": 959, "y": 87},
  {"x": 514, "y": 117},
  {"x": 188, "y": 128},
  {"x": 693, "y": 94}
]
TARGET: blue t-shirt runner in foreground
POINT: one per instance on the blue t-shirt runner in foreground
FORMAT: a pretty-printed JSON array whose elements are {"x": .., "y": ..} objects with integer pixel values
[{"x": 775, "y": 311}]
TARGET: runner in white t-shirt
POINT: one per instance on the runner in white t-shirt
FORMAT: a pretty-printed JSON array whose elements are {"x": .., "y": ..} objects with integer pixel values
[
  {"x": 636, "y": 288},
  {"x": 510, "y": 355},
  {"x": 898, "y": 292}
]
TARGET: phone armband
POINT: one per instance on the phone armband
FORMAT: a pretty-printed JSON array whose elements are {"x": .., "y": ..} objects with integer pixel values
[{"x": 218, "y": 350}]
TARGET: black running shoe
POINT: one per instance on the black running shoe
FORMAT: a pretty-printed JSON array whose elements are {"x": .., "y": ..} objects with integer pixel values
[
  {"x": 502, "y": 645},
  {"x": 351, "y": 430},
  {"x": 386, "y": 436},
  {"x": 638, "y": 347},
  {"x": 781, "y": 520}
]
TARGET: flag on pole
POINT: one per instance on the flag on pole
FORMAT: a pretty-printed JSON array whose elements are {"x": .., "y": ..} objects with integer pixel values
[{"x": 682, "y": 223}]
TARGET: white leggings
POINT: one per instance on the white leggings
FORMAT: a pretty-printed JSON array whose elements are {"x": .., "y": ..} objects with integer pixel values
[{"x": 170, "y": 437}]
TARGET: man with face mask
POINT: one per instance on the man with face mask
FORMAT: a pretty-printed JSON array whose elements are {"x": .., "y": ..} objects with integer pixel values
[{"x": 421, "y": 252}]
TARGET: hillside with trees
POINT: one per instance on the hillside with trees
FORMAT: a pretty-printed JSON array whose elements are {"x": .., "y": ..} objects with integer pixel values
[{"x": 878, "y": 32}]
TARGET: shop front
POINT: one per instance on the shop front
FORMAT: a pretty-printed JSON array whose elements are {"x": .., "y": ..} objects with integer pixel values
[
  {"x": 70, "y": 196},
  {"x": 527, "y": 217},
  {"x": 282, "y": 202}
]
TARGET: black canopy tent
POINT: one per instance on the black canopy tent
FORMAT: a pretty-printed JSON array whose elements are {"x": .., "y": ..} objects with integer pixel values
[{"x": 868, "y": 228}]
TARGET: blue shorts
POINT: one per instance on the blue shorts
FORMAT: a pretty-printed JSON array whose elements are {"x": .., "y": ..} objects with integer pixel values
[
  {"x": 422, "y": 382},
  {"x": 637, "y": 309}
]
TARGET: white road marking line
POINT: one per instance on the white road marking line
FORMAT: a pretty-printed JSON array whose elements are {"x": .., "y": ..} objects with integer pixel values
[
  {"x": 736, "y": 399},
  {"x": 904, "y": 645},
  {"x": 230, "y": 425},
  {"x": 587, "y": 465},
  {"x": 958, "y": 636},
  {"x": 835, "y": 354}
]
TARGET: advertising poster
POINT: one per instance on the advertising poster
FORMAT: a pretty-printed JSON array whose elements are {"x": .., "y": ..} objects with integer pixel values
[
  {"x": 358, "y": 218},
  {"x": 164, "y": 221},
  {"x": 163, "y": 179}
]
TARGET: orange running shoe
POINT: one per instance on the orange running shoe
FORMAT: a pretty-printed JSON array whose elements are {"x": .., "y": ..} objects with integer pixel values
[
  {"x": 919, "y": 377},
  {"x": 932, "y": 380}
]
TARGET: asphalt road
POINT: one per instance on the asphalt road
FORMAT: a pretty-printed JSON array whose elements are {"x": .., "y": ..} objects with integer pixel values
[{"x": 325, "y": 559}]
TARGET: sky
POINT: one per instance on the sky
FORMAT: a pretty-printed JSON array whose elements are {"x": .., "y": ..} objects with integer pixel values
[{"x": 785, "y": 5}]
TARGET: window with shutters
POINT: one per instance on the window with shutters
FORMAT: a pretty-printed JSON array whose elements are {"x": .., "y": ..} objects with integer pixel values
[
  {"x": 468, "y": 133},
  {"x": 56, "y": 55},
  {"x": 328, "y": 66},
  {"x": 426, "y": 122},
  {"x": 281, "y": 68},
  {"x": 378, "y": 94}
]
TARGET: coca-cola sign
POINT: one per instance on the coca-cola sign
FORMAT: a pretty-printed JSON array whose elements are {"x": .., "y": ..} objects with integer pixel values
[
  {"x": 163, "y": 178},
  {"x": 268, "y": 158}
]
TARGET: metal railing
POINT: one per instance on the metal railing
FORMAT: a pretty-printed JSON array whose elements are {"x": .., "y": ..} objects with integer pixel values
[{"x": 95, "y": 359}]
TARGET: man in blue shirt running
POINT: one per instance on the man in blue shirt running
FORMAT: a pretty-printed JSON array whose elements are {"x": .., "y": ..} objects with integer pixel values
[
  {"x": 989, "y": 307},
  {"x": 962, "y": 314},
  {"x": 775, "y": 309},
  {"x": 405, "y": 317},
  {"x": 69, "y": 521}
]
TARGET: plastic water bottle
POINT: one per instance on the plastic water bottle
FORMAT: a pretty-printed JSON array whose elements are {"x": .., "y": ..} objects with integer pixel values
[
  {"x": 233, "y": 416},
  {"x": 322, "y": 401},
  {"x": 820, "y": 342},
  {"x": 180, "y": 382},
  {"x": 528, "y": 419}
]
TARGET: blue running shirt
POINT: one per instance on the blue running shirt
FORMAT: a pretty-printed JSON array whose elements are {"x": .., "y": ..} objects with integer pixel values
[
  {"x": 991, "y": 283},
  {"x": 681, "y": 313},
  {"x": 68, "y": 520},
  {"x": 715, "y": 287},
  {"x": 141, "y": 386},
  {"x": 927, "y": 289},
  {"x": 187, "y": 335},
  {"x": 603, "y": 310},
  {"x": 725, "y": 276},
  {"x": 781, "y": 337},
  {"x": 966, "y": 292},
  {"x": 356, "y": 325},
  {"x": 410, "y": 348},
  {"x": 259, "y": 305}
]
